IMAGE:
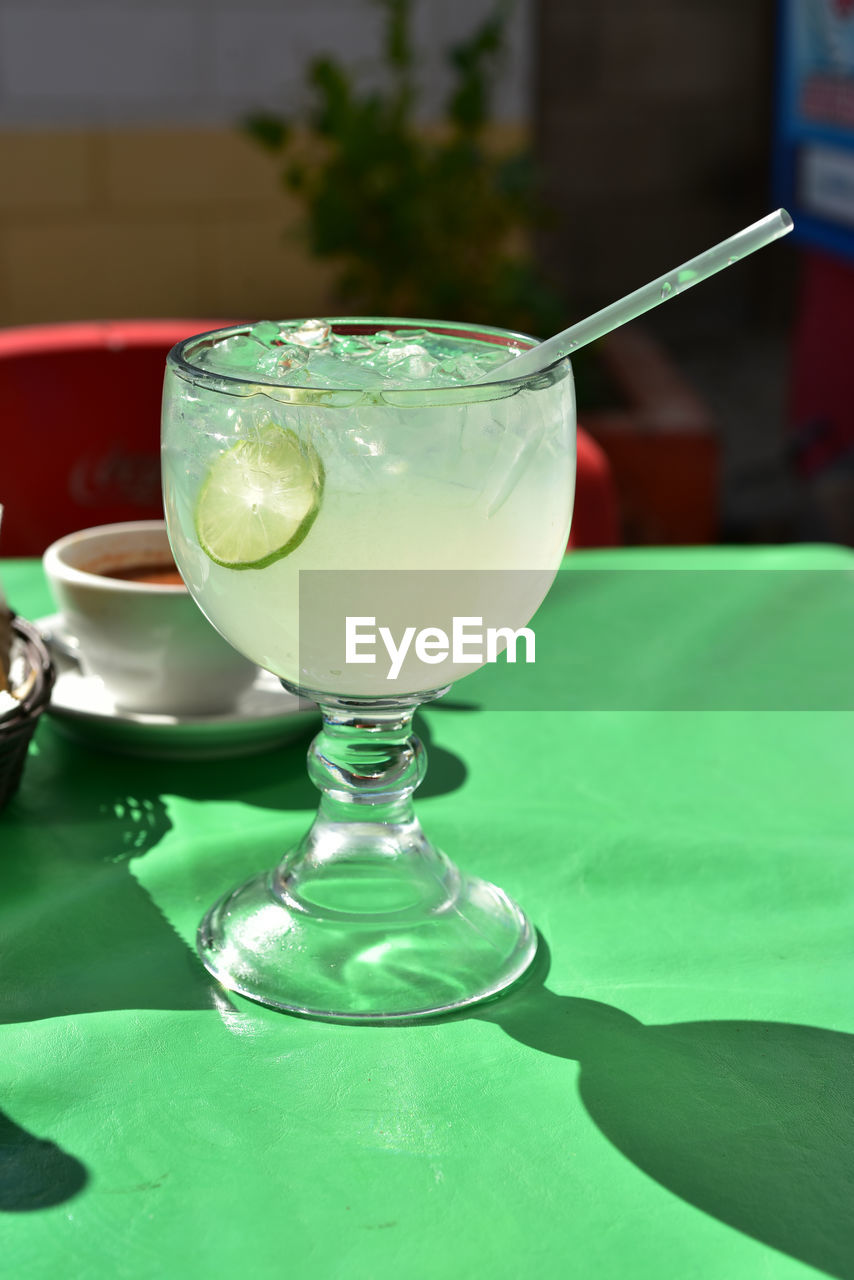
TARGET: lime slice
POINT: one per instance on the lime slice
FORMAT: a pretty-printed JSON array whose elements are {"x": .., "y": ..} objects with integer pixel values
[{"x": 259, "y": 500}]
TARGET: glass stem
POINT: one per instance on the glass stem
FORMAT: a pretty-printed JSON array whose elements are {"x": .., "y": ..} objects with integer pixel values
[
  {"x": 367, "y": 758},
  {"x": 365, "y": 851}
]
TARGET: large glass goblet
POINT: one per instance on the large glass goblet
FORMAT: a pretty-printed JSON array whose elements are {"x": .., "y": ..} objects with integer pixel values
[{"x": 437, "y": 494}]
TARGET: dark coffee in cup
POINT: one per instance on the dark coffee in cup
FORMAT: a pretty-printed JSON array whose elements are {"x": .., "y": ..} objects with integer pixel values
[{"x": 163, "y": 574}]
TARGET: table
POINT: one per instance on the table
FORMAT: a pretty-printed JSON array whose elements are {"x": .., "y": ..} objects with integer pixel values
[{"x": 669, "y": 1095}]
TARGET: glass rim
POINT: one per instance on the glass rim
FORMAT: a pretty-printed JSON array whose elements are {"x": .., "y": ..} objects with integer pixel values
[{"x": 178, "y": 360}]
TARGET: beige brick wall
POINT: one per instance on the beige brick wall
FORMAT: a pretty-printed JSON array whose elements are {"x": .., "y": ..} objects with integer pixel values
[
  {"x": 148, "y": 222},
  {"x": 154, "y": 222}
]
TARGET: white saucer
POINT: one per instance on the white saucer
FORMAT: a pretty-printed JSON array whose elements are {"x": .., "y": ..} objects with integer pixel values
[{"x": 265, "y": 716}]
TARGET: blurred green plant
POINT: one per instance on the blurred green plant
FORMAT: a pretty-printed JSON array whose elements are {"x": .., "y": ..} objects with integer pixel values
[{"x": 431, "y": 222}]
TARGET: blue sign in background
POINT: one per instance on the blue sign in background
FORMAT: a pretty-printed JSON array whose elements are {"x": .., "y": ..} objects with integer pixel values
[{"x": 814, "y": 121}]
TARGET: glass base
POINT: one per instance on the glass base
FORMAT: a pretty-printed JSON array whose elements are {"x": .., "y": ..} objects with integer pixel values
[
  {"x": 414, "y": 959},
  {"x": 365, "y": 920}
]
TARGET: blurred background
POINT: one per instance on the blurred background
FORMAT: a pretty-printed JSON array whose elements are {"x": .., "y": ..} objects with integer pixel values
[{"x": 167, "y": 159}]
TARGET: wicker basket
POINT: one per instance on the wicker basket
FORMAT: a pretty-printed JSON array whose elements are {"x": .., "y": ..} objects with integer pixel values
[{"x": 17, "y": 727}]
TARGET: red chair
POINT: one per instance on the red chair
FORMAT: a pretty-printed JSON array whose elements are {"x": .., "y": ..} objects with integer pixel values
[
  {"x": 80, "y": 406},
  {"x": 596, "y": 515}
]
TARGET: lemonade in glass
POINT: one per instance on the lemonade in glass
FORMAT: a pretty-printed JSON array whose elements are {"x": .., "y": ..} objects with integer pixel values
[{"x": 320, "y": 476}]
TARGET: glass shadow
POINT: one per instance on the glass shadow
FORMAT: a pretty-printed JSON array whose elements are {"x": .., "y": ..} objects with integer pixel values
[
  {"x": 752, "y": 1122},
  {"x": 68, "y": 898},
  {"x": 35, "y": 1173}
]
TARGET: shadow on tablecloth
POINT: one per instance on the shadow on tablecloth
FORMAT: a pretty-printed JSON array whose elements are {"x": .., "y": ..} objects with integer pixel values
[
  {"x": 80, "y": 934},
  {"x": 752, "y": 1122},
  {"x": 34, "y": 1172}
]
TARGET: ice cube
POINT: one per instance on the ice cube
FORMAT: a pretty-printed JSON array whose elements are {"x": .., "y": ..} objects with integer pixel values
[
  {"x": 268, "y": 332},
  {"x": 416, "y": 366},
  {"x": 352, "y": 348},
  {"x": 235, "y": 355},
  {"x": 468, "y": 367},
  {"x": 313, "y": 333},
  {"x": 326, "y": 370},
  {"x": 282, "y": 362}
]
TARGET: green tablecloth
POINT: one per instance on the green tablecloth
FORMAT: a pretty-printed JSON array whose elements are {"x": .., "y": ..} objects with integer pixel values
[{"x": 669, "y": 1095}]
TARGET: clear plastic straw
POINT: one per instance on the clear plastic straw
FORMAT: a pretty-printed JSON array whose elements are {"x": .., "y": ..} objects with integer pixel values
[{"x": 644, "y": 299}]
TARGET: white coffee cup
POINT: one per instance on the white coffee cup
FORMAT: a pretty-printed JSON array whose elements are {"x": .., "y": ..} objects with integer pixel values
[{"x": 148, "y": 641}]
